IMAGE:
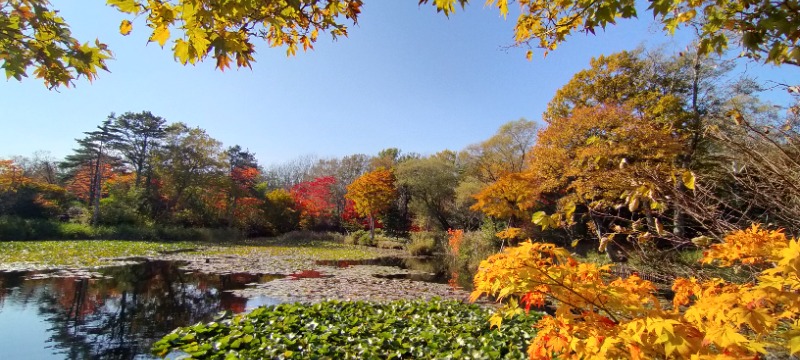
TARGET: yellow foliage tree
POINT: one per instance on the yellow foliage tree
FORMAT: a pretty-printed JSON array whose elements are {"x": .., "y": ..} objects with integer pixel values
[
  {"x": 599, "y": 316},
  {"x": 372, "y": 193}
]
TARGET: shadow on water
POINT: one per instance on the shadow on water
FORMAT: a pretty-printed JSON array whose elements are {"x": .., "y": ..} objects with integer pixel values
[{"x": 117, "y": 316}]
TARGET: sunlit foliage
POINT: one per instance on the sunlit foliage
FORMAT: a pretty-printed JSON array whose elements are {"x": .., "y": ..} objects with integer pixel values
[{"x": 598, "y": 315}]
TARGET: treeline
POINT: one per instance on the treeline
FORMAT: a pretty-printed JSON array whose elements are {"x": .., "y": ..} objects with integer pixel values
[
  {"x": 639, "y": 146},
  {"x": 136, "y": 170}
]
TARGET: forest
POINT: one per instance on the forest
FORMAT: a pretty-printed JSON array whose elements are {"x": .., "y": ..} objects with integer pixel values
[{"x": 652, "y": 212}]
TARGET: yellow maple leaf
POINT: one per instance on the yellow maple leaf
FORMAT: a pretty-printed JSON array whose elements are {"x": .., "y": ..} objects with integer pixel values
[
  {"x": 160, "y": 35},
  {"x": 125, "y": 27}
]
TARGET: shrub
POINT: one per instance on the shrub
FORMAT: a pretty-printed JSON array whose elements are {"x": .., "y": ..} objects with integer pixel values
[
  {"x": 14, "y": 228},
  {"x": 365, "y": 239},
  {"x": 426, "y": 242},
  {"x": 78, "y": 214},
  {"x": 354, "y": 237},
  {"x": 599, "y": 315},
  {"x": 388, "y": 243},
  {"x": 473, "y": 248},
  {"x": 308, "y": 235},
  {"x": 75, "y": 231}
]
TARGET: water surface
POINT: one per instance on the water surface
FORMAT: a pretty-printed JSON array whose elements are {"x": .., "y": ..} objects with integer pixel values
[{"x": 117, "y": 314}]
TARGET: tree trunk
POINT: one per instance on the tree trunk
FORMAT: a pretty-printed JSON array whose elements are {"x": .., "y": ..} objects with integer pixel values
[
  {"x": 371, "y": 228},
  {"x": 98, "y": 173},
  {"x": 679, "y": 219}
]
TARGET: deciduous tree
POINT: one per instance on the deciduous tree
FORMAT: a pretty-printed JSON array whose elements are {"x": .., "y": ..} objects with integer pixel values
[
  {"x": 314, "y": 200},
  {"x": 373, "y": 193}
]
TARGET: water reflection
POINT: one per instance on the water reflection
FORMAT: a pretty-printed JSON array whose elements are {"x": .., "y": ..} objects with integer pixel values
[{"x": 111, "y": 318}]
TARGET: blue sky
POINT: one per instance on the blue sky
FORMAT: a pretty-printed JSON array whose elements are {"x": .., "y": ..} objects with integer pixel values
[{"x": 406, "y": 77}]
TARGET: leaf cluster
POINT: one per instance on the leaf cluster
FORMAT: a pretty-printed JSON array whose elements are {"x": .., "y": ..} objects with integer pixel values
[
  {"x": 33, "y": 35},
  {"x": 372, "y": 192},
  {"x": 223, "y": 30},
  {"x": 599, "y": 315},
  {"x": 434, "y": 329}
]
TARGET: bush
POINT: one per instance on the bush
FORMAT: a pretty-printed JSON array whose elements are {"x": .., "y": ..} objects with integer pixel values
[
  {"x": 308, "y": 235},
  {"x": 425, "y": 242},
  {"x": 473, "y": 248},
  {"x": 78, "y": 213},
  {"x": 365, "y": 239},
  {"x": 388, "y": 243},
  {"x": 354, "y": 237},
  {"x": 75, "y": 231},
  {"x": 15, "y": 228}
]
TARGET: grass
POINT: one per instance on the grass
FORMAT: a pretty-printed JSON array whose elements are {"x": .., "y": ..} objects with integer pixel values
[
  {"x": 88, "y": 253},
  {"x": 80, "y": 253},
  {"x": 318, "y": 250}
]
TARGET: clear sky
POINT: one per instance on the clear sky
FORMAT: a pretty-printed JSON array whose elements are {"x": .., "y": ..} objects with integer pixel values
[{"x": 406, "y": 77}]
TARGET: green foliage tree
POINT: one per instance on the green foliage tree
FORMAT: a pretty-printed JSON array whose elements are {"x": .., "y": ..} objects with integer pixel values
[
  {"x": 140, "y": 133},
  {"x": 280, "y": 211},
  {"x": 191, "y": 168},
  {"x": 506, "y": 152},
  {"x": 432, "y": 182}
]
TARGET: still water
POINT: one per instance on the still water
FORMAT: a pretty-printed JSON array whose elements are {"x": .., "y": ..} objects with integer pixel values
[{"x": 116, "y": 316}]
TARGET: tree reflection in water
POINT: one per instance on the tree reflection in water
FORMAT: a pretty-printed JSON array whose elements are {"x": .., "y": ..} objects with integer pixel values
[{"x": 121, "y": 316}]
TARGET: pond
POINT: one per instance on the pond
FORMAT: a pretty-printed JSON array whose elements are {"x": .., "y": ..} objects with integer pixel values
[
  {"x": 118, "y": 312},
  {"x": 115, "y": 313}
]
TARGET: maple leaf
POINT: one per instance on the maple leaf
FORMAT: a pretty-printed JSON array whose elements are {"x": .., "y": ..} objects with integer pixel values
[{"x": 125, "y": 27}]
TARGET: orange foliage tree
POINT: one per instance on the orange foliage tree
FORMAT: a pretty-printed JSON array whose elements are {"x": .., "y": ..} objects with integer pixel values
[
  {"x": 82, "y": 183},
  {"x": 605, "y": 165},
  {"x": 372, "y": 193},
  {"x": 601, "y": 316},
  {"x": 19, "y": 191}
]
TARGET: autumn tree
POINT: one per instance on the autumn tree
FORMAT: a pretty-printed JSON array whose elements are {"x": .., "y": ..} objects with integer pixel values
[
  {"x": 243, "y": 176},
  {"x": 764, "y": 30},
  {"x": 96, "y": 156},
  {"x": 506, "y": 152},
  {"x": 372, "y": 193},
  {"x": 35, "y": 36},
  {"x": 603, "y": 159},
  {"x": 314, "y": 200},
  {"x": 344, "y": 170},
  {"x": 26, "y": 196},
  {"x": 599, "y": 315},
  {"x": 510, "y": 198}
]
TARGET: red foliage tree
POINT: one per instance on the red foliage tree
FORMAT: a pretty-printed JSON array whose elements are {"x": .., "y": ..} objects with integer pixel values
[{"x": 314, "y": 199}]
